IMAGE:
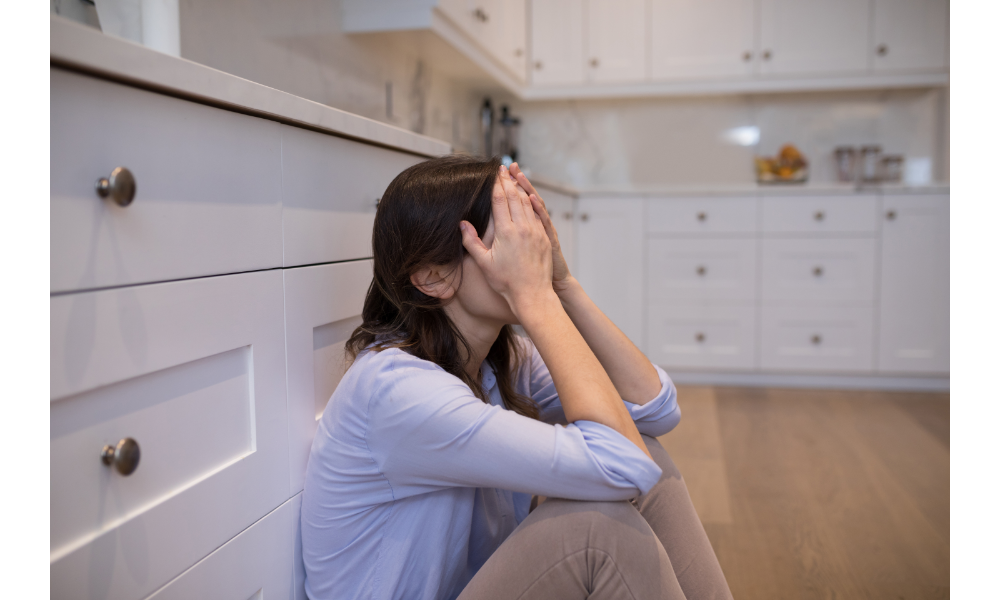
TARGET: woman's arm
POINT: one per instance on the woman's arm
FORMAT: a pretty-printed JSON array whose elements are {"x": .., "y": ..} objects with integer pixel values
[
  {"x": 519, "y": 267},
  {"x": 633, "y": 376}
]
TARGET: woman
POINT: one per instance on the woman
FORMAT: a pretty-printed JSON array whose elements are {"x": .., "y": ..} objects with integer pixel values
[{"x": 421, "y": 474}]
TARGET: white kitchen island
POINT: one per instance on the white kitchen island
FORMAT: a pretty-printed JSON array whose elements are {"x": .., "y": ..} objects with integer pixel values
[{"x": 200, "y": 318}]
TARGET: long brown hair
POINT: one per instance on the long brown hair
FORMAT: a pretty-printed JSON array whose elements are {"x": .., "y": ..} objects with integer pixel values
[{"x": 416, "y": 224}]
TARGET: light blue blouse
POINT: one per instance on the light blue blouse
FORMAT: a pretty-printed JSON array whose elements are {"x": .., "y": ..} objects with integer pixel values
[{"x": 413, "y": 482}]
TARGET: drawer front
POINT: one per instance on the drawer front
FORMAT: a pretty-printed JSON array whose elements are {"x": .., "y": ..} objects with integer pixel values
[
  {"x": 819, "y": 214},
  {"x": 702, "y": 215},
  {"x": 323, "y": 307},
  {"x": 194, "y": 372},
  {"x": 701, "y": 337},
  {"x": 330, "y": 186},
  {"x": 208, "y": 187},
  {"x": 257, "y": 564},
  {"x": 818, "y": 271},
  {"x": 702, "y": 270},
  {"x": 816, "y": 339}
]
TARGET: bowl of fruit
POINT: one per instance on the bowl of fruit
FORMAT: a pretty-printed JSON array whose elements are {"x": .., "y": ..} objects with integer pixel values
[{"x": 789, "y": 166}]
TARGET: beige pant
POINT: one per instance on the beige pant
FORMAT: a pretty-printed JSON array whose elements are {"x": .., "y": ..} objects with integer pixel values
[{"x": 572, "y": 549}]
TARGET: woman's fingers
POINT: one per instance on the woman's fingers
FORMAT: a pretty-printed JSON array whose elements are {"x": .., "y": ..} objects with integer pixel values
[
  {"x": 515, "y": 204},
  {"x": 472, "y": 243},
  {"x": 522, "y": 179},
  {"x": 543, "y": 216}
]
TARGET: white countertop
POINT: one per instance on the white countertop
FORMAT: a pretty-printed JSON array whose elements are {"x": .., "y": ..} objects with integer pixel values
[
  {"x": 83, "y": 48},
  {"x": 751, "y": 189}
]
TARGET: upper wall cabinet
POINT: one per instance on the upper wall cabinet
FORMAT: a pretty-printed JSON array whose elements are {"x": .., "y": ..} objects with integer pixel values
[
  {"x": 910, "y": 34},
  {"x": 814, "y": 37},
  {"x": 698, "y": 39},
  {"x": 616, "y": 40},
  {"x": 557, "y": 51}
]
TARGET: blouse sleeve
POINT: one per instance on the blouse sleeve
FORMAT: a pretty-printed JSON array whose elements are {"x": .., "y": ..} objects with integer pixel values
[
  {"x": 654, "y": 418},
  {"x": 427, "y": 431}
]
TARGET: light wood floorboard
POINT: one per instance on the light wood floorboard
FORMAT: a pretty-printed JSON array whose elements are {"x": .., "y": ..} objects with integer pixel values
[{"x": 820, "y": 494}]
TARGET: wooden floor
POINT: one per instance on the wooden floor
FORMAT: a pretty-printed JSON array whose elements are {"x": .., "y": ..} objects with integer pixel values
[{"x": 820, "y": 494}]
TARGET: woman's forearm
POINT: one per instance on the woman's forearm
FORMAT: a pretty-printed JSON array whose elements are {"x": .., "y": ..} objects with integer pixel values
[
  {"x": 628, "y": 368},
  {"x": 585, "y": 389}
]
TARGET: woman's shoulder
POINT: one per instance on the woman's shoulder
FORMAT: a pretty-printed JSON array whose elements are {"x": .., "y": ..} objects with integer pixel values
[{"x": 395, "y": 371}]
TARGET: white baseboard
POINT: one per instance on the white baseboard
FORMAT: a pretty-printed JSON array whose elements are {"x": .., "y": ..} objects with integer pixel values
[{"x": 837, "y": 382}]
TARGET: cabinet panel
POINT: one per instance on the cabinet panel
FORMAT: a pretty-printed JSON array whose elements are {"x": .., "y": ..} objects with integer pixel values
[
  {"x": 816, "y": 339},
  {"x": 557, "y": 49},
  {"x": 256, "y": 565},
  {"x": 562, "y": 211},
  {"x": 701, "y": 336},
  {"x": 698, "y": 39},
  {"x": 818, "y": 272},
  {"x": 702, "y": 270},
  {"x": 322, "y": 307},
  {"x": 609, "y": 250},
  {"x": 702, "y": 215},
  {"x": 330, "y": 187},
  {"x": 194, "y": 372},
  {"x": 910, "y": 35},
  {"x": 616, "y": 40},
  {"x": 207, "y": 197},
  {"x": 814, "y": 37},
  {"x": 819, "y": 214},
  {"x": 915, "y": 306},
  {"x": 512, "y": 39}
]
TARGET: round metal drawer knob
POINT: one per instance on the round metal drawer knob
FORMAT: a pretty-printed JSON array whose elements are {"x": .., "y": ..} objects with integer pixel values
[
  {"x": 701, "y": 270},
  {"x": 891, "y": 215},
  {"x": 702, "y": 216},
  {"x": 816, "y": 339},
  {"x": 819, "y": 216},
  {"x": 699, "y": 337},
  {"x": 119, "y": 186},
  {"x": 124, "y": 456},
  {"x": 584, "y": 217},
  {"x": 818, "y": 271}
]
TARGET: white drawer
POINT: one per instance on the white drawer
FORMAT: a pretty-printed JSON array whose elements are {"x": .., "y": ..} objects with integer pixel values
[
  {"x": 255, "y": 565},
  {"x": 329, "y": 189},
  {"x": 208, "y": 187},
  {"x": 194, "y": 371},
  {"x": 322, "y": 308},
  {"x": 816, "y": 339},
  {"x": 819, "y": 214},
  {"x": 700, "y": 336},
  {"x": 702, "y": 269},
  {"x": 702, "y": 215},
  {"x": 818, "y": 271}
]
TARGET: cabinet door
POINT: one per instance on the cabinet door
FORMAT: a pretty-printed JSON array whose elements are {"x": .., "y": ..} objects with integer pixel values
[
  {"x": 616, "y": 40},
  {"x": 698, "y": 39},
  {"x": 512, "y": 36},
  {"x": 915, "y": 302},
  {"x": 818, "y": 339},
  {"x": 700, "y": 336},
  {"x": 910, "y": 35},
  {"x": 818, "y": 272},
  {"x": 814, "y": 37},
  {"x": 563, "y": 213},
  {"x": 609, "y": 246},
  {"x": 557, "y": 42},
  {"x": 702, "y": 270}
]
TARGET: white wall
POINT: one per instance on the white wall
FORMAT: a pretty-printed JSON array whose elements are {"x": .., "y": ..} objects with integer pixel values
[{"x": 640, "y": 143}]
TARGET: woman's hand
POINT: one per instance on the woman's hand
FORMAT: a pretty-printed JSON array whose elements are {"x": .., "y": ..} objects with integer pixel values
[
  {"x": 518, "y": 266},
  {"x": 561, "y": 277}
]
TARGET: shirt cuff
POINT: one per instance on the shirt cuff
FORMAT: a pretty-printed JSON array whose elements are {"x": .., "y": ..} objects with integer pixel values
[
  {"x": 662, "y": 413},
  {"x": 621, "y": 461}
]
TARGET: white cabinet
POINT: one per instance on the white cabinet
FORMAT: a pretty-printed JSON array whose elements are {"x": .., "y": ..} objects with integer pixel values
[
  {"x": 816, "y": 339},
  {"x": 207, "y": 187},
  {"x": 910, "y": 35},
  {"x": 609, "y": 251},
  {"x": 818, "y": 272},
  {"x": 914, "y": 324},
  {"x": 562, "y": 211},
  {"x": 511, "y": 41},
  {"x": 194, "y": 372},
  {"x": 616, "y": 40},
  {"x": 701, "y": 336},
  {"x": 557, "y": 46},
  {"x": 814, "y": 37},
  {"x": 702, "y": 270},
  {"x": 322, "y": 308},
  {"x": 703, "y": 215},
  {"x": 701, "y": 39},
  {"x": 819, "y": 215}
]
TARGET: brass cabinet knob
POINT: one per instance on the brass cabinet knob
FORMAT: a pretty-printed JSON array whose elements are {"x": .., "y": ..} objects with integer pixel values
[
  {"x": 480, "y": 14},
  {"x": 124, "y": 456},
  {"x": 890, "y": 216},
  {"x": 882, "y": 50},
  {"x": 766, "y": 54},
  {"x": 568, "y": 216},
  {"x": 747, "y": 56},
  {"x": 538, "y": 65},
  {"x": 702, "y": 216},
  {"x": 701, "y": 270},
  {"x": 818, "y": 271},
  {"x": 820, "y": 215},
  {"x": 119, "y": 186},
  {"x": 584, "y": 217},
  {"x": 699, "y": 337},
  {"x": 519, "y": 52},
  {"x": 594, "y": 62},
  {"x": 816, "y": 339}
]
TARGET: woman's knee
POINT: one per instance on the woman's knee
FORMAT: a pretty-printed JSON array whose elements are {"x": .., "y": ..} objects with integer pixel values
[{"x": 597, "y": 524}]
